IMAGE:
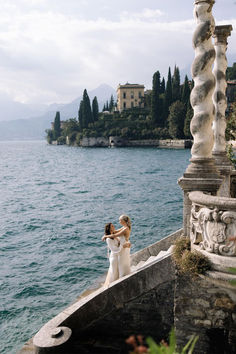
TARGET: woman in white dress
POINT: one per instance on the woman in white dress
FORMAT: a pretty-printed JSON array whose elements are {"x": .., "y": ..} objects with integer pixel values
[
  {"x": 114, "y": 249},
  {"x": 123, "y": 234}
]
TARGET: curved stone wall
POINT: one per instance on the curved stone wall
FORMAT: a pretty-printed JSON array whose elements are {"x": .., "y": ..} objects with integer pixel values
[{"x": 137, "y": 302}]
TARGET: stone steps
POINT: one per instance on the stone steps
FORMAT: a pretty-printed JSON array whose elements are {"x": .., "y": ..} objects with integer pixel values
[{"x": 152, "y": 259}]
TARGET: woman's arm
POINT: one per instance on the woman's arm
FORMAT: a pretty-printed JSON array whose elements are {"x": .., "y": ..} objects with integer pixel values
[
  {"x": 113, "y": 247},
  {"x": 120, "y": 232}
]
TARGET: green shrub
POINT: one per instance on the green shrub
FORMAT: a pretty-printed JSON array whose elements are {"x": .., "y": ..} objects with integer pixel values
[
  {"x": 231, "y": 155},
  {"x": 61, "y": 140},
  {"x": 188, "y": 262},
  {"x": 181, "y": 244},
  {"x": 72, "y": 137},
  {"x": 49, "y": 136},
  {"x": 195, "y": 263}
]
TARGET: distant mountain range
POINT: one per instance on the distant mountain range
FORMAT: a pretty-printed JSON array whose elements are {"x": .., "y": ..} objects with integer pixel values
[{"x": 34, "y": 120}]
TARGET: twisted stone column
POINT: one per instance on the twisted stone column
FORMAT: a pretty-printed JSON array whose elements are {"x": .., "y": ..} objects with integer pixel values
[
  {"x": 201, "y": 174},
  {"x": 204, "y": 81},
  {"x": 219, "y": 123}
]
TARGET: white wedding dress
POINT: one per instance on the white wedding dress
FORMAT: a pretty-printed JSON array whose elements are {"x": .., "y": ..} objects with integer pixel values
[
  {"x": 114, "y": 250},
  {"x": 123, "y": 258},
  {"x": 119, "y": 260}
]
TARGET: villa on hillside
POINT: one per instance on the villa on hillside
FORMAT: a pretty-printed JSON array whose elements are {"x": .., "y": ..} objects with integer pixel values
[{"x": 130, "y": 96}]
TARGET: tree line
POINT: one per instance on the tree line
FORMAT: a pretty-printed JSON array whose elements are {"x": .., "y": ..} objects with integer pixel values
[
  {"x": 169, "y": 104},
  {"x": 166, "y": 114}
]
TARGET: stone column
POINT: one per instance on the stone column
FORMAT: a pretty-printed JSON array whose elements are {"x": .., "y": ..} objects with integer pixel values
[
  {"x": 201, "y": 174},
  {"x": 219, "y": 123}
]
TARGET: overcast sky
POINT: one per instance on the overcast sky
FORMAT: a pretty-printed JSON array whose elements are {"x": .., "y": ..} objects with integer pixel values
[{"x": 50, "y": 50}]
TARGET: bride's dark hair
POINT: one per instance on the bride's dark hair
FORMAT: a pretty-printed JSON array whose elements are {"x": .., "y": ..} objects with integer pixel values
[{"x": 108, "y": 228}]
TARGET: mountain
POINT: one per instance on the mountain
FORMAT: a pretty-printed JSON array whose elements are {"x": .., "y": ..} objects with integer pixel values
[
  {"x": 11, "y": 110},
  {"x": 34, "y": 127}
]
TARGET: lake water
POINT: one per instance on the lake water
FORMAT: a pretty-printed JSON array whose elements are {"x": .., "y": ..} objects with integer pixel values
[{"x": 54, "y": 202}]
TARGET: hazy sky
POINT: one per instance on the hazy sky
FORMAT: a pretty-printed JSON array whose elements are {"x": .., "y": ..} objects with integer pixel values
[{"x": 50, "y": 50}]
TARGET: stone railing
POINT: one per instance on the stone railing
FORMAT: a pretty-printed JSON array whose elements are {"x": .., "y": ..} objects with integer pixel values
[{"x": 213, "y": 223}]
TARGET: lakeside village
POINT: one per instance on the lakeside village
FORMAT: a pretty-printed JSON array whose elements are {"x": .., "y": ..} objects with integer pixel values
[{"x": 158, "y": 117}]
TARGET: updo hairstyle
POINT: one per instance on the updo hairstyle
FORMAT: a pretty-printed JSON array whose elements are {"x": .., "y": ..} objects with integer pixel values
[{"x": 127, "y": 220}]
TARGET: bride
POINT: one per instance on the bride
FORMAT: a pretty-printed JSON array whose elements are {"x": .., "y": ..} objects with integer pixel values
[
  {"x": 114, "y": 248},
  {"x": 118, "y": 243}
]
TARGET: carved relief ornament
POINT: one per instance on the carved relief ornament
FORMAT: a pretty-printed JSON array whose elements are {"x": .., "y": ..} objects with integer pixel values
[{"x": 212, "y": 228}]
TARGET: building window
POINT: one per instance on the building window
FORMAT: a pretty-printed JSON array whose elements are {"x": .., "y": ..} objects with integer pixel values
[
  {"x": 132, "y": 95},
  {"x": 140, "y": 94},
  {"x": 124, "y": 94},
  {"x": 124, "y": 105},
  {"x": 132, "y": 104}
]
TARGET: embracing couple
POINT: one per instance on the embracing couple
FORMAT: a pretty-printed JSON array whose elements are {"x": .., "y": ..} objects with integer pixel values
[{"x": 119, "y": 249}]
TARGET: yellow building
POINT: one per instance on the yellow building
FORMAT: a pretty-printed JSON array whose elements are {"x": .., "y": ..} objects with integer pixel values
[{"x": 130, "y": 96}]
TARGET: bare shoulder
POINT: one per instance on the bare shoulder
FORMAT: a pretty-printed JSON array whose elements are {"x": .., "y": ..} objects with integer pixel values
[{"x": 126, "y": 233}]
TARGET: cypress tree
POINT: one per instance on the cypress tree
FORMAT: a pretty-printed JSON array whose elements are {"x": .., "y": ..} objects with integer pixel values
[
  {"x": 176, "y": 120},
  {"x": 81, "y": 117},
  {"x": 95, "y": 109},
  {"x": 163, "y": 86},
  {"x": 111, "y": 103},
  {"x": 155, "y": 100},
  {"x": 104, "y": 107},
  {"x": 176, "y": 85},
  {"x": 186, "y": 92},
  {"x": 87, "y": 112},
  {"x": 57, "y": 126},
  {"x": 168, "y": 94},
  {"x": 187, "y": 121}
]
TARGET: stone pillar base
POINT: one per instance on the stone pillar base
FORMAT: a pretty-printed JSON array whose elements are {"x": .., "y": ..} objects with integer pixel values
[
  {"x": 202, "y": 168},
  {"x": 201, "y": 175}
]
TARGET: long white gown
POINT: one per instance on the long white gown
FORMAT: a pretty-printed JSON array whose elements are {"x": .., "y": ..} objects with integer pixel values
[
  {"x": 113, "y": 271},
  {"x": 119, "y": 260},
  {"x": 123, "y": 258}
]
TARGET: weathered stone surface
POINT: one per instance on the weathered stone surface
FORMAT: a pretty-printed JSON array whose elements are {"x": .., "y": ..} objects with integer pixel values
[
  {"x": 205, "y": 323},
  {"x": 149, "y": 312},
  {"x": 94, "y": 142},
  {"x": 202, "y": 303},
  {"x": 219, "y": 98},
  {"x": 224, "y": 302},
  {"x": 195, "y": 313},
  {"x": 204, "y": 81},
  {"x": 219, "y": 124},
  {"x": 216, "y": 329}
]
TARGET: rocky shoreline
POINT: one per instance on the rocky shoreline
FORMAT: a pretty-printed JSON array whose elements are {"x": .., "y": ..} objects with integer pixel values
[{"x": 116, "y": 141}]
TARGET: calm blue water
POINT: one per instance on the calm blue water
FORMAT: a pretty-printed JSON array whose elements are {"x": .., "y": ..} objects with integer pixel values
[{"x": 54, "y": 202}]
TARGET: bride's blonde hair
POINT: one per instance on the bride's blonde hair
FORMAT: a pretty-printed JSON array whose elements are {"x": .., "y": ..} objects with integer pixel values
[{"x": 127, "y": 219}]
